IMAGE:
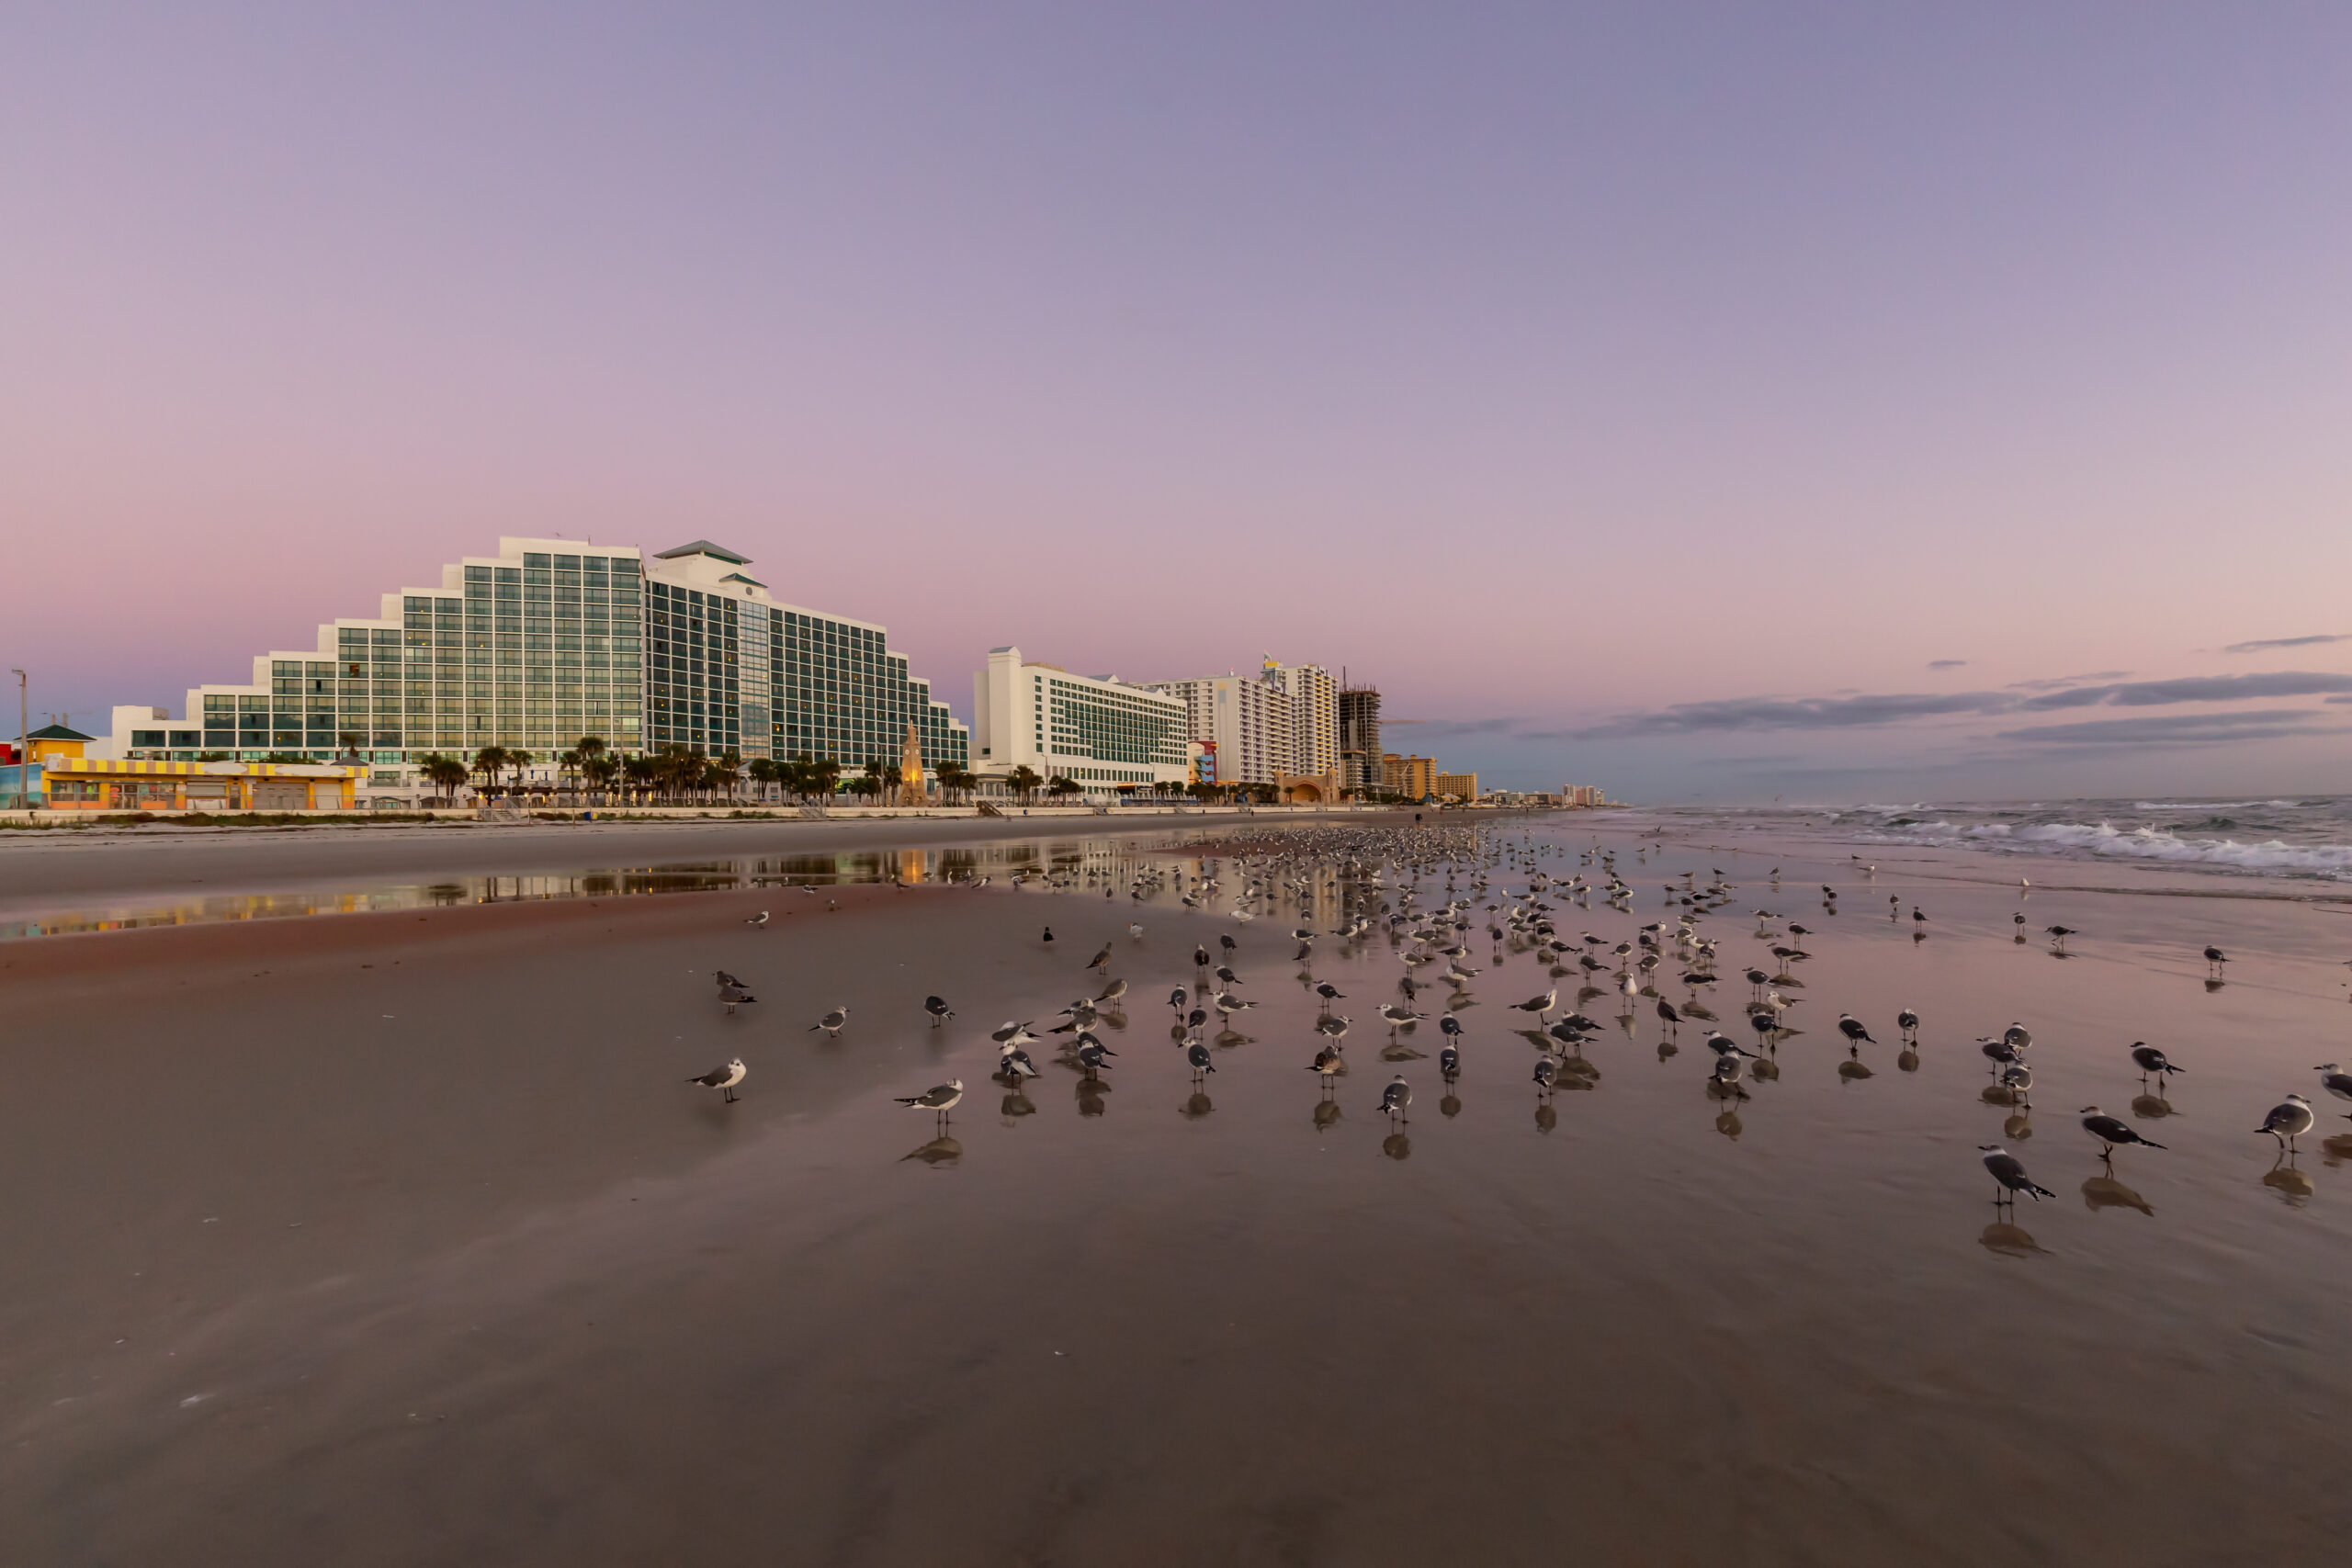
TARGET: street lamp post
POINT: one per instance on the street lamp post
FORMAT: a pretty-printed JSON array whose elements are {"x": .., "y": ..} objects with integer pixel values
[{"x": 24, "y": 758}]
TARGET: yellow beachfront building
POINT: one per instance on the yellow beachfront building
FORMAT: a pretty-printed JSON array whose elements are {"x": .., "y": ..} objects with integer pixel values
[{"x": 70, "y": 781}]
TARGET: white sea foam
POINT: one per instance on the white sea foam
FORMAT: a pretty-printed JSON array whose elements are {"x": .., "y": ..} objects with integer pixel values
[{"x": 2147, "y": 843}]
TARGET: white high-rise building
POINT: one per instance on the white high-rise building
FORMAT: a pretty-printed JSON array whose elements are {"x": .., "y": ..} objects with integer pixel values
[
  {"x": 1100, "y": 731},
  {"x": 1246, "y": 719},
  {"x": 1314, "y": 715}
]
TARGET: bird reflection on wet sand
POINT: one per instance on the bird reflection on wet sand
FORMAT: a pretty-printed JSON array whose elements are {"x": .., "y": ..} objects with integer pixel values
[
  {"x": 1090, "y": 1096},
  {"x": 1907, "y": 1061},
  {"x": 1449, "y": 1106},
  {"x": 938, "y": 1151},
  {"x": 1729, "y": 1124},
  {"x": 2292, "y": 1185},
  {"x": 1327, "y": 1115},
  {"x": 1396, "y": 1146},
  {"x": 1546, "y": 1116},
  {"x": 2105, "y": 1192},
  {"x": 1015, "y": 1106},
  {"x": 2337, "y": 1149},
  {"x": 1193, "y": 1108},
  {"x": 2009, "y": 1240},
  {"x": 2017, "y": 1128}
]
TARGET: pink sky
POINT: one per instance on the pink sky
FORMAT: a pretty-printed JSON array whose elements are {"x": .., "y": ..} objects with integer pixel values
[{"x": 1550, "y": 370}]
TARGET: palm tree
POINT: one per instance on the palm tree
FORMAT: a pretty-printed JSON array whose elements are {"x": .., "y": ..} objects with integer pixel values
[
  {"x": 763, "y": 771},
  {"x": 827, "y": 776},
  {"x": 951, "y": 780},
  {"x": 491, "y": 761},
  {"x": 640, "y": 772},
  {"x": 724, "y": 773},
  {"x": 1024, "y": 780},
  {"x": 590, "y": 751},
  {"x": 601, "y": 772},
  {"x": 518, "y": 760},
  {"x": 445, "y": 772},
  {"x": 1064, "y": 784},
  {"x": 568, "y": 768}
]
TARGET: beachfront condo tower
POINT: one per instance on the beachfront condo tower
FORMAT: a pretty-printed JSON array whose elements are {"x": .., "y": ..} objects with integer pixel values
[
  {"x": 550, "y": 640},
  {"x": 1097, "y": 731},
  {"x": 1246, "y": 717}
]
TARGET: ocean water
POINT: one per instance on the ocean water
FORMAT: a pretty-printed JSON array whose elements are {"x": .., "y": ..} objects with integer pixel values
[{"x": 2297, "y": 837}]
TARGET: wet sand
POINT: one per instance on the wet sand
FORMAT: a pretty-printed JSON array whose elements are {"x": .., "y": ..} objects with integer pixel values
[{"x": 482, "y": 1281}]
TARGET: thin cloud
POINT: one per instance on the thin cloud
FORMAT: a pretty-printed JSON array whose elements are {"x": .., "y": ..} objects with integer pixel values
[
  {"x": 1844, "y": 712},
  {"x": 2178, "y": 729},
  {"x": 1946, "y": 663},
  {"x": 2064, "y": 682},
  {"x": 2194, "y": 689},
  {"x": 1800, "y": 713},
  {"x": 2284, "y": 642}
]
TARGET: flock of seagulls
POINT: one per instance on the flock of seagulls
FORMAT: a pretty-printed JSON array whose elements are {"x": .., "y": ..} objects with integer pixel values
[{"x": 1431, "y": 895}]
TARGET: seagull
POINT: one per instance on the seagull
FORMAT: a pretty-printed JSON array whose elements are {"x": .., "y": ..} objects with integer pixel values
[
  {"x": 1397, "y": 1017},
  {"x": 1450, "y": 1026},
  {"x": 1092, "y": 1053},
  {"x": 1907, "y": 1021},
  {"x": 1329, "y": 992},
  {"x": 2215, "y": 957},
  {"x": 1541, "y": 1005},
  {"x": 2018, "y": 1078},
  {"x": 759, "y": 920},
  {"x": 2111, "y": 1132},
  {"x": 1999, "y": 1050},
  {"x": 1134, "y": 931},
  {"x": 1049, "y": 936},
  {"x": 1228, "y": 1004},
  {"x": 1015, "y": 1063},
  {"x": 1013, "y": 1034},
  {"x": 1327, "y": 1062},
  {"x": 1396, "y": 1098},
  {"x": 1853, "y": 1030},
  {"x": 1178, "y": 998},
  {"x": 724, "y": 1080},
  {"x": 941, "y": 1098},
  {"x": 1672, "y": 1019},
  {"x": 1198, "y": 1055},
  {"x": 1728, "y": 1068},
  {"x": 734, "y": 996},
  {"x": 1111, "y": 992},
  {"x": 2058, "y": 934},
  {"x": 2287, "y": 1121},
  {"x": 1449, "y": 1063},
  {"x": 2338, "y": 1084},
  {"x": 1101, "y": 959},
  {"x": 2017, "y": 1038},
  {"x": 1547, "y": 1073},
  {"x": 939, "y": 1010},
  {"x": 1334, "y": 1028},
  {"x": 832, "y": 1023},
  {"x": 2010, "y": 1174},
  {"x": 2150, "y": 1060}
]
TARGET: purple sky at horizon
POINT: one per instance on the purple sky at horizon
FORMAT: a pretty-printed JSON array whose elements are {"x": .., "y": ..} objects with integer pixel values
[{"x": 1713, "y": 402}]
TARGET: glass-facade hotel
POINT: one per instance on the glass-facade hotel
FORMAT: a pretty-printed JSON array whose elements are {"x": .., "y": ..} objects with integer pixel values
[{"x": 552, "y": 639}]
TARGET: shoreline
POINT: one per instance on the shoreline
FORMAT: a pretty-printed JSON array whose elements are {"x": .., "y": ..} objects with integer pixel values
[{"x": 88, "y": 864}]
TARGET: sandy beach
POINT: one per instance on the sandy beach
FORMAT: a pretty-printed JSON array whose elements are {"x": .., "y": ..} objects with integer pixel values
[{"x": 399, "y": 1237}]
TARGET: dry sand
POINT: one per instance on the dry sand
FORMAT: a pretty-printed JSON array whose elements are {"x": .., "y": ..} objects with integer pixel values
[{"x": 397, "y": 1238}]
